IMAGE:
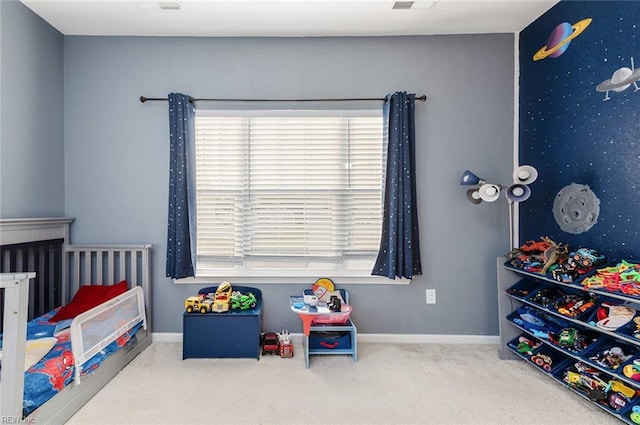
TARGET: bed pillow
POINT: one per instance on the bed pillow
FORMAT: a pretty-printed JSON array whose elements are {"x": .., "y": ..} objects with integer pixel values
[
  {"x": 88, "y": 297},
  {"x": 35, "y": 350}
]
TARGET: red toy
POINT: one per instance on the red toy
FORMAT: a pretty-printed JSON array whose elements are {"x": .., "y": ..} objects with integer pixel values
[
  {"x": 286, "y": 348},
  {"x": 270, "y": 343}
]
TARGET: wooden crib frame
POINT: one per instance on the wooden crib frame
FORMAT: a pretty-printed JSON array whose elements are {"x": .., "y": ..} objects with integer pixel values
[{"x": 81, "y": 264}]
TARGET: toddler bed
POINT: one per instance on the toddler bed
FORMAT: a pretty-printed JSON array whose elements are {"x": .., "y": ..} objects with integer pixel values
[{"x": 101, "y": 327}]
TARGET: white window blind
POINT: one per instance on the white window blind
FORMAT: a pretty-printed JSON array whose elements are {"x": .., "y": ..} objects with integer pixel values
[{"x": 288, "y": 190}]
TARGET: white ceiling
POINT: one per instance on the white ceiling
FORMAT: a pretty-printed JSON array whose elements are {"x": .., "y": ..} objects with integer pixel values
[{"x": 280, "y": 18}]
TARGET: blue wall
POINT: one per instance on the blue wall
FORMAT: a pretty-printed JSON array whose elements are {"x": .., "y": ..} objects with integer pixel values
[
  {"x": 31, "y": 115},
  {"x": 572, "y": 135}
]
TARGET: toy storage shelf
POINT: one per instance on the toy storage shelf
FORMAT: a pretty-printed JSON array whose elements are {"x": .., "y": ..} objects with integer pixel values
[{"x": 510, "y": 331}]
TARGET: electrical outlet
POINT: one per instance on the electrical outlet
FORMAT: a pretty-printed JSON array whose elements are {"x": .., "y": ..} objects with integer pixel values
[{"x": 431, "y": 296}]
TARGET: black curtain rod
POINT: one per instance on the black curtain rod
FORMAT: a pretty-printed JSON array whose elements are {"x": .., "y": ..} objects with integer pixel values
[{"x": 144, "y": 99}]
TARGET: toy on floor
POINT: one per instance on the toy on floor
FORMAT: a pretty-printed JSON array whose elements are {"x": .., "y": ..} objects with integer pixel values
[
  {"x": 270, "y": 343},
  {"x": 284, "y": 340}
]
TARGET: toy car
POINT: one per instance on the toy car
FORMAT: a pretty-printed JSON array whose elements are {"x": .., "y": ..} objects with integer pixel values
[
  {"x": 585, "y": 258},
  {"x": 547, "y": 297},
  {"x": 269, "y": 343},
  {"x": 572, "y": 339},
  {"x": 543, "y": 361},
  {"x": 197, "y": 303},
  {"x": 573, "y": 305},
  {"x": 243, "y": 301},
  {"x": 565, "y": 273}
]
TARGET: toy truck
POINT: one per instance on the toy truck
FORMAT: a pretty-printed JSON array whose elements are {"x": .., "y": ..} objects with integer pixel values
[
  {"x": 197, "y": 303},
  {"x": 286, "y": 348},
  {"x": 221, "y": 298},
  {"x": 270, "y": 343}
]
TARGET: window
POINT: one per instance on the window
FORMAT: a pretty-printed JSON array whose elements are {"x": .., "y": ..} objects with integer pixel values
[{"x": 288, "y": 193}]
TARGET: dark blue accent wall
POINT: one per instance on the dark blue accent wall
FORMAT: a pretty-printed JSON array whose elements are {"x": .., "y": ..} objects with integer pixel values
[{"x": 572, "y": 135}]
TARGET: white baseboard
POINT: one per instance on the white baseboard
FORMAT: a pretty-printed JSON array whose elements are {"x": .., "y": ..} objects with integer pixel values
[
  {"x": 429, "y": 339},
  {"x": 166, "y": 337},
  {"x": 379, "y": 338}
]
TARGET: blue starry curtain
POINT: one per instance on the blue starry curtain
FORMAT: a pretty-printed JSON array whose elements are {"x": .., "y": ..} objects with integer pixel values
[
  {"x": 181, "y": 225},
  {"x": 399, "y": 254}
]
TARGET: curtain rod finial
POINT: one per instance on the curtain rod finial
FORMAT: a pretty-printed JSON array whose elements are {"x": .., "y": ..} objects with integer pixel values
[
  {"x": 143, "y": 99},
  {"x": 422, "y": 98}
]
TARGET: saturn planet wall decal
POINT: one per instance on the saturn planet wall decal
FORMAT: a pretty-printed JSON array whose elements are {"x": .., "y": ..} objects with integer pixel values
[{"x": 560, "y": 38}]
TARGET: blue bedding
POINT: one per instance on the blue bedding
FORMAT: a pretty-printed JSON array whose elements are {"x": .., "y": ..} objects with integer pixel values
[{"x": 56, "y": 369}]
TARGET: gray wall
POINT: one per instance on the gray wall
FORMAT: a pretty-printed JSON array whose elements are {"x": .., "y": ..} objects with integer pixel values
[
  {"x": 111, "y": 157},
  {"x": 116, "y": 153},
  {"x": 31, "y": 115}
]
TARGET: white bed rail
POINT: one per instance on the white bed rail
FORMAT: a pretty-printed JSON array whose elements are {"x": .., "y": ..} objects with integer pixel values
[
  {"x": 95, "y": 329},
  {"x": 16, "y": 292}
]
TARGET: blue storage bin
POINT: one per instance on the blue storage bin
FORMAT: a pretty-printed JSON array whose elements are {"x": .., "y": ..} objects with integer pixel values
[
  {"x": 602, "y": 354},
  {"x": 548, "y": 359},
  {"x": 525, "y": 345},
  {"x": 581, "y": 309},
  {"x": 632, "y": 372},
  {"x": 616, "y": 400},
  {"x": 523, "y": 288},
  {"x": 546, "y": 296},
  {"x": 589, "y": 387},
  {"x": 631, "y": 329},
  {"x": 631, "y": 413},
  {"x": 606, "y": 317},
  {"x": 612, "y": 263},
  {"x": 330, "y": 340},
  {"x": 575, "y": 340}
]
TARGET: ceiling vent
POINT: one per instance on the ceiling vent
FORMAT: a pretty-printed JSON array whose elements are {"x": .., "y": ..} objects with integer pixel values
[
  {"x": 402, "y": 5},
  {"x": 169, "y": 5}
]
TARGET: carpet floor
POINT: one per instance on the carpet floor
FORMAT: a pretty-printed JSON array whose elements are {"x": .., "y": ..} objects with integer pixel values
[{"x": 399, "y": 384}]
